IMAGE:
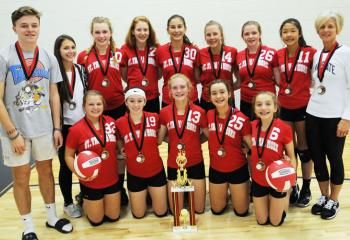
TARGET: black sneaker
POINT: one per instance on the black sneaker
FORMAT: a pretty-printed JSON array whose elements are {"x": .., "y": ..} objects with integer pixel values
[
  {"x": 124, "y": 200},
  {"x": 304, "y": 198},
  {"x": 330, "y": 210},
  {"x": 294, "y": 195},
  {"x": 79, "y": 199},
  {"x": 317, "y": 207}
]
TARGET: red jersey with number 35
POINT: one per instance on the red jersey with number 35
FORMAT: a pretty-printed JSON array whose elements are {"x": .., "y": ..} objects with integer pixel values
[
  {"x": 81, "y": 138},
  {"x": 301, "y": 82},
  {"x": 228, "y": 59},
  {"x": 280, "y": 134},
  {"x": 197, "y": 119},
  {"x": 113, "y": 94},
  {"x": 263, "y": 75},
  {"x": 238, "y": 126},
  {"x": 190, "y": 62},
  {"x": 134, "y": 73},
  {"x": 153, "y": 163}
]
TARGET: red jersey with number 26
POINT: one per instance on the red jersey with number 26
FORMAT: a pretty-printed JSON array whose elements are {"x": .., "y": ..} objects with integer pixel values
[
  {"x": 238, "y": 126},
  {"x": 280, "y": 134},
  {"x": 81, "y": 138},
  {"x": 153, "y": 163},
  {"x": 197, "y": 119},
  {"x": 263, "y": 75}
]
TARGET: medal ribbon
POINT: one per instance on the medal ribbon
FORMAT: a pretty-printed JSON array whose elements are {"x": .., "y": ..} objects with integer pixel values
[
  {"x": 27, "y": 72},
  {"x": 323, "y": 66},
  {"x": 265, "y": 138},
  {"x": 103, "y": 70},
  {"x": 251, "y": 73},
  {"x": 173, "y": 60},
  {"x": 212, "y": 62},
  {"x": 143, "y": 130},
  {"x": 92, "y": 129},
  {"x": 71, "y": 85},
  {"x": 179, "y": 135},
  {"x": 221, "y": 141},
  {"x": 143, "y": 71},
  {"x": 290, "y": 78}
]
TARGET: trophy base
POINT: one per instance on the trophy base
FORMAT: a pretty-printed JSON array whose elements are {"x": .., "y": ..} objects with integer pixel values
[{"x": 185, "y": 229}]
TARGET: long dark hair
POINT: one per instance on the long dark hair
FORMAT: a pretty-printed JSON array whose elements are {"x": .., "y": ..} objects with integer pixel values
[
  {"x": 186, "y": 39},
  {"x": 63, "y": 87},
  {"x": 296, "y": 23}
]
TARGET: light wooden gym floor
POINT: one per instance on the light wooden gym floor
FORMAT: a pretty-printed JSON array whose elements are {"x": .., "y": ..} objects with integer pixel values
[{"x": 300, "y": 223}]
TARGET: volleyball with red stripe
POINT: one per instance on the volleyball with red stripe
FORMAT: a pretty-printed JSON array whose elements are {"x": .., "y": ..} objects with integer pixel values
[
  {"x": 280, "y": 175},
  {"x": 87, "y": 164}
]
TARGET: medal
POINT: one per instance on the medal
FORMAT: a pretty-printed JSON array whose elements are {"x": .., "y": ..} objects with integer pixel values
[
  {"x": 173, "y": 60},
  {"x": 28, "y": 88},
  {"x": 72, "y": 105},
  {"x": 289, "y": 79},
  {"x": 71, "y": 86},
  {"x": 260, "y": 166},
  {"x": 144, "y": 82},
  {"x": 216, "y": 76},
  {"x": 321, "y": 89},
  {"x": 28, "y": 73},
  {"x": 251, "y": 83},
  {"x": 105, "y": 82},
  {"x": 221, "y": 151},
  {"x": 180, "y": 146},
  {"x": 288, "y": 90},
  {"x": 140, "y": 158},
  {"x": 104, "y": 155}
]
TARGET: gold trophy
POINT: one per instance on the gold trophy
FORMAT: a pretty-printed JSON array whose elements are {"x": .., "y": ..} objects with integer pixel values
[{"x": 184, "y": 220}]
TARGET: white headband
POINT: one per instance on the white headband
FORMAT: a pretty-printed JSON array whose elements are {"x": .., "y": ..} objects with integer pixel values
[{"x": 135, "y": 91}]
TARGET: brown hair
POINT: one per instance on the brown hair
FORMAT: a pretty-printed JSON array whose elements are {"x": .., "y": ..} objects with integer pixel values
[
  {"x": 182, "y": 76},
  {"x": 215, "y": 23},
  {"x": 251, "y": 22},
  {"x": 274, "y": 99},
  {"x": 130, "y": 39},
  {"x": 24, "y": 11},
  {"x": 94, "y": 93}
]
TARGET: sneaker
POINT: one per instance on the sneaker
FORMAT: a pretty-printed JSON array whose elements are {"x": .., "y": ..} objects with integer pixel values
[
  {"x": 294, "y": 195},
  {"x": 317, "y": 207},
  {"x": 72, "y": 210},
  {"x": 79, "y": 199},
  {"x": 304, "y": 198},
  {"x": 330, "y": 210}
]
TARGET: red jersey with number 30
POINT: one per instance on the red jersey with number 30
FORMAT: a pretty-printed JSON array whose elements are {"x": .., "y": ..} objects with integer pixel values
[
  {"x": 263, "y": 75},
  {"x": 134, "y": 74},
  {"x": 227, "y": 66},
  {"x": 81, "y": 138},
  {"x": 280, "y": 134},
  {"x": 153, "y": 163},
  {"x": 197, "y": 119},
  {"x": 301, "y": 82},
  {"x": 190, "y": 62},
  {"x": 113, "y": 94},
  {"x": 238, "y": 126}
]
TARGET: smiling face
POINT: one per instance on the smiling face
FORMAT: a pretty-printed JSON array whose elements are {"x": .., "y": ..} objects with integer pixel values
[
  {"x": 93, "y": 106},
  {"x": 68, "y": 51},
  {"x": 290, "y": 34},
  {"x": 219, "y": 95},
  {"x": 101, "y": 34},
  {"x": 328, "y": 31},
  {"x": 141, "y": 32},
  {"x": 179, "y": 89},
  {"x": 176, "y": 29},
  {"x": 135, "y": 103},
  {"x": 251, "y": 35},
  {"x": 265, "y": 106},
  {"x": 213, "y": 36},
  {"x": 27, "y": 29}
]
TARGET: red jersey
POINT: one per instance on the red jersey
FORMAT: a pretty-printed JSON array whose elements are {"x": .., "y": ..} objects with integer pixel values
[
  {"x": 113, "y": 94},
  {"x": 238, "y": 126},
  {"x": 134, "y": 73},
  {"x": 81, "y": 138},
  {"x": 153, "y": 163},
  {"x": 228, "y": 59},
  {"x": 301, "y": 82},
  {"x": 263, "y": 75},
  {"x": 280, "y": 134},
  {"x": 196, "y": 120},
  {"x": 190, "y": 62}
]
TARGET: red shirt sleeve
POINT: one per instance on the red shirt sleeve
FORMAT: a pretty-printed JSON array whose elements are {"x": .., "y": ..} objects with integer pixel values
[{"x": 81, "y": 58}]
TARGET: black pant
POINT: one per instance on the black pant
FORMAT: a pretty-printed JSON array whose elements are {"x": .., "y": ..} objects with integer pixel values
[
  {"x": 116, "y": 112},
  {"x": 323, "y": 142},
  {"x": 65, "y": 174},
  {"x": 152, "y": 105}
]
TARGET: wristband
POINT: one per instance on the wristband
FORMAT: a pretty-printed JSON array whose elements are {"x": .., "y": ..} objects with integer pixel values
[
  {"x": 57, "y": 129},
  {"x": 14, "y": 137},
  {"x": 11, "y": 131}
]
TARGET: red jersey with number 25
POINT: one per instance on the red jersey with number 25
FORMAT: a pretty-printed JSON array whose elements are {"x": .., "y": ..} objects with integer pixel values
[
  {"x": 263, "y": 75},
  {"x": 197, "y": 119},
  {"x": 81, "y": 138},
  {"x": 238, "y": 126},
  {"x": 280, "y": 134},
  {"x": 153, "y": 163}
]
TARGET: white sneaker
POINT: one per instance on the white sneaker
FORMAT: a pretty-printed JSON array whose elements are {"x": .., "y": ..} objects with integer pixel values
[{"x": 72, "y": 210}]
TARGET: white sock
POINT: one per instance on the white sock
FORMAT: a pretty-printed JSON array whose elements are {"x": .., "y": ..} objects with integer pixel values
[
  {"x": 51, "y": 213},
  {"x": 28, "y": 223}
]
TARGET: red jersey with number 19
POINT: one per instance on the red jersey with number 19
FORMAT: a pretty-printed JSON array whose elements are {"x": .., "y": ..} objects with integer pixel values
[
  {"x": 153, "y": 163},
  {"x": 238, "y": 126},
  {"x": 81, "y": 138},
  {"x": 280, "y": 134},
  {"x": 197, "y": 119},
  {"x": 263, "y": 75},
  {"x": 190, "y": 62}
]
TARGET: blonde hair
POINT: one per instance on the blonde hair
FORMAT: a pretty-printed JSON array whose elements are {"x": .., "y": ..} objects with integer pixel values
[
  {"x": 215, "y": 23},
  {"x": 184, "y": 77},
  {"x": 94, "y": 93},
  {"x": 112, "y": 43},
  {"x": 254, "y": 23},
  {"x": 326, "y": 16},
  {"x": 130, "y": 37}
]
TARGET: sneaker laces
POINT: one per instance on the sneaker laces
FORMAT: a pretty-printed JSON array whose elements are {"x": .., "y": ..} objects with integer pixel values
[
  {"x": 329, "y": 204},
  {"x": 322, "y": 200}
]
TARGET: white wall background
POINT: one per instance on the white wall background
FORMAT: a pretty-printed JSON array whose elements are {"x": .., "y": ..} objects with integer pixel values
[{"x": 73, "y": 17}]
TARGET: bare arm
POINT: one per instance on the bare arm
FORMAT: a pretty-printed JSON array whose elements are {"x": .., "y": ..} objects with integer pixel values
[
  {"x": 56, "y": 114},
  {"x": 276, "y": 75},
  {"x": 289, "y": 147},
  {"x": 247, "y": 140},
  {"x": 123, "y": 72},
  {"x": 161, "y": 134},
  {"x": 237, "y": 82}
]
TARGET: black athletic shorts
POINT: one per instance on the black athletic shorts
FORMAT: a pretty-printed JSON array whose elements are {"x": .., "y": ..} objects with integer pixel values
[
  {"x": 193, "y": 172},
  {"x": 97, "y": 194},
  {"x": 237, "y": 176},
  {"x": 137, "y": 184}
]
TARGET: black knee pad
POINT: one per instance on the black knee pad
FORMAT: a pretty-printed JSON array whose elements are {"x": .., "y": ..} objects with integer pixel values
[
  {"x": 241, "y": 214},
  {"x": 108, "y": 219},
  {"x": 138, "y": 217},
  {"x": 162, "y": 215},
  {"x": 284, "y": 214},
  {"x": 265, "y": 223},
  {"x": 304, "y": 155},
  {"x": 219, "y": 212},
  {"x": 95, "y": 224}
]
